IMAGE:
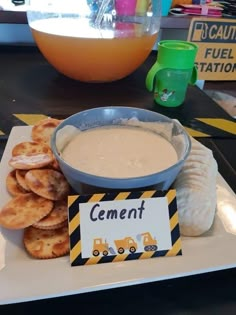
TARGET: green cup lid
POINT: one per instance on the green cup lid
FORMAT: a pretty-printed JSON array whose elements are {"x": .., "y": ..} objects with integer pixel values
[{"x": 176, "y": 54}]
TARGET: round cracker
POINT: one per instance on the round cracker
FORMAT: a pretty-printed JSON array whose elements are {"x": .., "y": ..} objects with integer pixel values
[
  {"x": 197, "y": 183},
  {"x": 196, "y": 210},
  {"x": 55, "y": 165},
  {"x": 29, "y": 154},
  {"x": 197, "y": 178},
  {"x": 31, "y": 148},
  {"x": 51, "y": 227},
  {"x": 13, "y": 186},
  {"x": 20, "y": 177},
  {"x": 56, "y": 218},
  {"x": 24, "y": 210},
  {"x": 42, "y": 131},
  {"x": 46, "y": 244},
  {"x": 28, "y": 162},
  {"x": 48, "y": 183}
]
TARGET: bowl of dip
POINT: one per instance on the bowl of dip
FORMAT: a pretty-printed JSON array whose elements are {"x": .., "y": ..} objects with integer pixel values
[{"x": 120, "y": 148}]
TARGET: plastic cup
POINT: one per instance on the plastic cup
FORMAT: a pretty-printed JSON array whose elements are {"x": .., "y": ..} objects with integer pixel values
[
  {"x": 174, "y": 70},
  {"x": 171, "y": 87},
  {"x": 142, "y": 6},
  {"x": 125, "y": 7},
  {"x": 165, "y": 7}
]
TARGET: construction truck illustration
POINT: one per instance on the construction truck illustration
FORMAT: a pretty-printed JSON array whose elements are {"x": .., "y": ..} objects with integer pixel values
[
  {"x": 126, "y": 243},
  {"x": 100, "y": 247},
  {"x": 149, "y": 243}
]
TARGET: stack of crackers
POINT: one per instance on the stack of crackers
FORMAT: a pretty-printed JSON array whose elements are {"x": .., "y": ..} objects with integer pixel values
[{"x": 39, "y": 193}]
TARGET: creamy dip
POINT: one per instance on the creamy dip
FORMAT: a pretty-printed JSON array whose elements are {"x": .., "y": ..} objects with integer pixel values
[{"x": 119, "y": 152}]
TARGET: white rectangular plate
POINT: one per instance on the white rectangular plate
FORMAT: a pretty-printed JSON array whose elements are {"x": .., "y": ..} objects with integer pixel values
[{"x": 25, "y": 279}]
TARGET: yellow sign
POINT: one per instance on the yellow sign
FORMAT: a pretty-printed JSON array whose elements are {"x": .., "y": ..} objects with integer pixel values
[
  {"x": 216, "y": 39},
  {"x": 120, "y": 226}
]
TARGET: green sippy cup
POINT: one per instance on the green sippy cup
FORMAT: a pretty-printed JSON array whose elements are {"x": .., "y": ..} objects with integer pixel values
[{"x": 172, "y": 72}]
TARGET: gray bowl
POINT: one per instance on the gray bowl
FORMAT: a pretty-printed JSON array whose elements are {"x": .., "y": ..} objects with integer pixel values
[{"x": 87, "y": 183}]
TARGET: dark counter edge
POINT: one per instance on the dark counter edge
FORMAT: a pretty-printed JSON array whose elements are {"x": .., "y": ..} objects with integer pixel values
[
  {"x": 162, "y": 295},
  {"x": 19, "y": 17}
]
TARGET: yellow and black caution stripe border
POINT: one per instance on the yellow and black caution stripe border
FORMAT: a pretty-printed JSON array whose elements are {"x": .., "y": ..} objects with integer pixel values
[
  {"x": 196, "y": 127},
  {"x": 211, "y": 127},
  {"x": 7, "y": 123},
  {"x": 75, "y": 234}
]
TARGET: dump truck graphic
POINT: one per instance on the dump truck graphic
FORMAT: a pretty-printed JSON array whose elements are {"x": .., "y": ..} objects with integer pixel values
[
  {"x": 126, "y": 243},
  {"x": 149, "y": 243}
]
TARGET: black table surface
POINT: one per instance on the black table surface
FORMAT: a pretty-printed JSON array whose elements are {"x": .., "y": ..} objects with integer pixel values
[{"x": 29, "y": 85}]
